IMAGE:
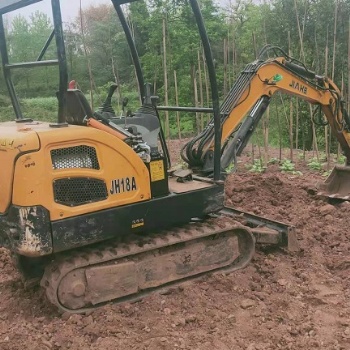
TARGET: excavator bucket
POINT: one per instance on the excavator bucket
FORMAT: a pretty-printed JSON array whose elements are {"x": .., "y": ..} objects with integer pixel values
[{"x": 337, "y": 185}]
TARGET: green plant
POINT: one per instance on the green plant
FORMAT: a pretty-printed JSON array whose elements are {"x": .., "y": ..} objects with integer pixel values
[
  {"x": 326, "y": 173},
  {"x": 4, "y": 101},
  {"x": 257, "y": 166},
  {"x": 301, "y": 156},
  {"x": 273, "y": 161},
  {"x": 322, "y": 157},
  {"x": 315, "y": 164},
  {"x": 341, "y": 159},
  {"x": 230, "y": 168},
  {"x": 288, "y": 166}
]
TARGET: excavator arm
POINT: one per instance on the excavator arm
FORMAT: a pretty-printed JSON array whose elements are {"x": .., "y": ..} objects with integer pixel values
[{"x": 248, "y": 99}]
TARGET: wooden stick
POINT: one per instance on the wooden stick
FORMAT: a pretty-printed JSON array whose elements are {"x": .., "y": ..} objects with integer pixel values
[
  {"x": 167, "y": 127},
  {"x": 177, "y": 103}
]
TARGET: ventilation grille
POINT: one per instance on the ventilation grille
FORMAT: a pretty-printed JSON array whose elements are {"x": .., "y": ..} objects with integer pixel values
[
  {"x": 75, "y": 157},
  {"x": 79, "y": 190}
]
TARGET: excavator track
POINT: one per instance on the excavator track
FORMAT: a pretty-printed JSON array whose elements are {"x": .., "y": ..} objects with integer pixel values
[{"x": 130, "y": 270}]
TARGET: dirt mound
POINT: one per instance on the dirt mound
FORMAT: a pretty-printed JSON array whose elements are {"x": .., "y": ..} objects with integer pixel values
[{"x": 280, "y": 301}]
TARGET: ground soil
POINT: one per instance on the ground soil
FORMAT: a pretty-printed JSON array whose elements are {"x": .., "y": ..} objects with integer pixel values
[{"x": 281, "y": 300}]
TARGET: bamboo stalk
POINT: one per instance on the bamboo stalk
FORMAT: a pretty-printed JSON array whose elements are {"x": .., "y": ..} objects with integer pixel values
[
  {"x": 348, "y": 97},
  {"x": 279, "y": 133},
  {"x": 200, "y": 81},
  {"x": 198, "y": 124},
  {"x": 297, "y": 124},
  {"x": 314, "y": 136},
  {"x": 233, "y": 57},
  {"x": 334, "y": 37},
  {"x": 225, "y": 66},
  {"x": 302, "y": 55},
  {"x": 131, "y": 26},
  {"x": 334, "y": 55},
  {"x": 167, "y": 127},
  {"x": 177, "y": 103},
  {"x": 326, "y": 131},
  {"x": 86, "y": 55},
  {"x": 254, "y": 45},
  {"x": 206, "y": 82},
  {"x": 266, "y": 120},
  {"x": 291, "y": 136},
  {"x": 303, "y": 136},
  {"x": 228, "y": 59}
]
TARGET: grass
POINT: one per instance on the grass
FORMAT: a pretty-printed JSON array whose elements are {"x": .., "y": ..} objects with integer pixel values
[{"x": 41, "y": 108}]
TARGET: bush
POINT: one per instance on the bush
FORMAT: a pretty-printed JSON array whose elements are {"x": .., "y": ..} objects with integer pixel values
[
  {"x": 7, "y": 113},
  {"x": 315, "y": 164},
  {"x": 42, "y": 108},
  {"x": 288, "y": 167},
  {"x": 5, "y": 101},
  {"x": 257, "y": 167}
]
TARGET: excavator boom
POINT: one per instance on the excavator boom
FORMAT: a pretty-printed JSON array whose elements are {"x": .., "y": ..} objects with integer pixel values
[{"x": 249, "y": 98}]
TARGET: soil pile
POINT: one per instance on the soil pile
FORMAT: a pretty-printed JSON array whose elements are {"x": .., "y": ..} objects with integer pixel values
[{"x": 280, "y": 301}]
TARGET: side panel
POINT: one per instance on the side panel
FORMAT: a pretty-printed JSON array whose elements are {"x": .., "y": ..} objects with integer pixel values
[
  {"x": 120, "y": 170},
  {"x": 27, "y": 231},
  {"x": 13, "y": 143},
  {"x": 156, "y": 214}
]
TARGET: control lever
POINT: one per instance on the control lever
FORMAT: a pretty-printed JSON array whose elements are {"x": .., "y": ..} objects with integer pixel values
[{"x": 107, "y": 105}]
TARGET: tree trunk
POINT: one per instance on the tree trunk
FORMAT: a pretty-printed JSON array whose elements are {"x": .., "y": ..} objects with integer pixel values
[
  {"x": 326, "y": 131},
  {"x": 334, "y": 51},
  {"x": 195, "y": 89},
  {"x": 200, "y": 81},
  {"x": 225, "y": 66},
  {"x": 177, "y": 103},
  {"x": 279, "y": 133},
  {"x": 86, "y": 55},
  {"x": 167, "y": 126}
]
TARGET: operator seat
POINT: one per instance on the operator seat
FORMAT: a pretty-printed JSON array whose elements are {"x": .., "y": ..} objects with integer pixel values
[{"x": 77, "y": 107}]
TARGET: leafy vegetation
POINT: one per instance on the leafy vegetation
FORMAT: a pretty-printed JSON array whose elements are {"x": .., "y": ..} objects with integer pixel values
[
  {"x": 315, "y": 164},
  {"x": 257, "y": 166},
  {"x": 288, "y": 166}
]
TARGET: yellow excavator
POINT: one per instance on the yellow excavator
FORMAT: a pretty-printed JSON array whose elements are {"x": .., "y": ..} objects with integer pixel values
[{"x": 90, "y": 206}]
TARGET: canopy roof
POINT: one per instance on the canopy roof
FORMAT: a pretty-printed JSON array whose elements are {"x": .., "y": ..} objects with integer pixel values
[{"x": 11, "y": 5}]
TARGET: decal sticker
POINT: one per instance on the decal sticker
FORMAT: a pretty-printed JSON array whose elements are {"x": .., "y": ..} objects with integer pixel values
[
  {"x": 300, "y": 87},
  {"x": 137, "y": 223},
  {"x": 9, "y": 144},
  {"x": 157, "y": 170},
  {"x": 28, "y": 162},
  {"x": 277, "y": 77},
  {"x": 125, "y": 184},
  {"x": 30, "y": 165},
  {"x": 6, "y": 144}
]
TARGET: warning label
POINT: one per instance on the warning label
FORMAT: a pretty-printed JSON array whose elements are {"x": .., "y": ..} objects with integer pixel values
[{"x": 157, "y": 170}]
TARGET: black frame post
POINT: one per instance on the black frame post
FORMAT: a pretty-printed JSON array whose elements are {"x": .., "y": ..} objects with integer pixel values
[
  {"x": 214, "y": 88},
  {"x": 132, "y": 46},
  {"x": 7, "y": 72},
  {"x": 62, "y": 60}
]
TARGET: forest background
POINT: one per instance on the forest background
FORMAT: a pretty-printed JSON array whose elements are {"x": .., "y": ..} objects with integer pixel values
[{"x": 316, "y": 32}]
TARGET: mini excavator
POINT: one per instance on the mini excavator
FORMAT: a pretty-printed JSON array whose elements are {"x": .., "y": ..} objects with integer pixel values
[{"x": 90, "y": 207}]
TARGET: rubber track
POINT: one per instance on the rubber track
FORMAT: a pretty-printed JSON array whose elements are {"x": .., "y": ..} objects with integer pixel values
[{"x": 112, "y": 250}]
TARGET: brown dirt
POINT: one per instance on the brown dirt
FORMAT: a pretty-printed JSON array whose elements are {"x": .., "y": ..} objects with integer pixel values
[{"x": 281, "y": 301}]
